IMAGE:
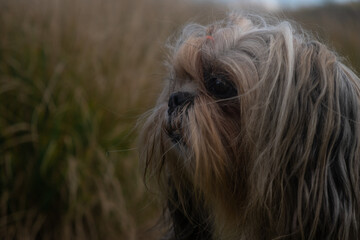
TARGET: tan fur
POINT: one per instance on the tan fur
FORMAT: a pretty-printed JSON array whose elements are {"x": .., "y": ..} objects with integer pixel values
[{"x": 278, "y": 161}]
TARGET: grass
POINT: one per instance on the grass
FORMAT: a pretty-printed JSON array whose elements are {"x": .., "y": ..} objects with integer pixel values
[
  {"x": 74, "y": 78},
  {"x": 337, "y": 26},
  {"x": 70, "y": 79}
]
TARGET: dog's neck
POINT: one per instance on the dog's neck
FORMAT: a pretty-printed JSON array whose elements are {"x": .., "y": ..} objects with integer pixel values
[{"x": 190, "y": 220}]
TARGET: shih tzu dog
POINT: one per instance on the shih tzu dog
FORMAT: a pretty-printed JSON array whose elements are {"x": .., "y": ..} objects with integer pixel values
[{"x": 255, "y": 135}]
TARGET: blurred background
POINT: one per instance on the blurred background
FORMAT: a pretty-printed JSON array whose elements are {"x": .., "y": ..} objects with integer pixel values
[{"x": 75, "y": 76}]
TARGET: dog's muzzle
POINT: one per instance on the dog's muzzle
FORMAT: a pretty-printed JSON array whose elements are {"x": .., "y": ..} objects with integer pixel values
[{"x": 178, "y": 100}]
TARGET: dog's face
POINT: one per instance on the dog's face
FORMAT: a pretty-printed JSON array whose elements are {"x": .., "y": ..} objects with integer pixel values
[
  {"x": 258, "y": 125},
  {"x": 200, "y": 113}
]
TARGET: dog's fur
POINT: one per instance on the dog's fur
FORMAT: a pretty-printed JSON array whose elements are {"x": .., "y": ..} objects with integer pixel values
[{"x": 274, "y": 157}]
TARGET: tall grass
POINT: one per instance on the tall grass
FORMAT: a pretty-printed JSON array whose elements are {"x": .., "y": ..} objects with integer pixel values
[
  {"x": 74, "y": 77},
  {"x": 337, "y": 26}
]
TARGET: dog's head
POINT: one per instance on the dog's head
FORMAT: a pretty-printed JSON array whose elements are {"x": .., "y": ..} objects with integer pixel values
[{"x": 257, "y": 128}]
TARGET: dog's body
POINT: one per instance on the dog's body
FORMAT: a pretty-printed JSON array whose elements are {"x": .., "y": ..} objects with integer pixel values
[{"x": 256, "y": 136}]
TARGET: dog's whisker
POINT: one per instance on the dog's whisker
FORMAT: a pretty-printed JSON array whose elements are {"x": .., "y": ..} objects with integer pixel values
[{"x": 121, "y": 150}]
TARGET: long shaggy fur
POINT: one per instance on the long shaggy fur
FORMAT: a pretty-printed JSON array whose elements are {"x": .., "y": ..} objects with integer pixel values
[{"x": 278, "y": 161}]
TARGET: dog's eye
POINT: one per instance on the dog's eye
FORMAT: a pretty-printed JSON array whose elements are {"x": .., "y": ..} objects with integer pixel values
[{"x": 220, "y": 88}]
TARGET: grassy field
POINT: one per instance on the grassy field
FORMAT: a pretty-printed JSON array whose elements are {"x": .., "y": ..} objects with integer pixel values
[{"x": 75, "y": 75}]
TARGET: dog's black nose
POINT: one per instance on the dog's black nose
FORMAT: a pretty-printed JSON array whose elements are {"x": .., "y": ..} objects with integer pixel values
[{"x": 178, "y": 99}]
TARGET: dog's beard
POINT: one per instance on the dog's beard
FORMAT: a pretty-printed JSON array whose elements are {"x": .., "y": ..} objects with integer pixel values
[
  {"x": 196, "y": 149},
  {"x": 198, "y": 141},
  {"x": 177, "y": 127}
]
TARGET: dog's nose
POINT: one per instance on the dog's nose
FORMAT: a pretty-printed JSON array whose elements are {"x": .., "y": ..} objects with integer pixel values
[{"x": 178, "y": 99}]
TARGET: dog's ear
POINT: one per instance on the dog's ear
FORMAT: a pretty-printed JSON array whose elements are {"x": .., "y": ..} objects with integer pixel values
[{"x": 306, "y": 163}]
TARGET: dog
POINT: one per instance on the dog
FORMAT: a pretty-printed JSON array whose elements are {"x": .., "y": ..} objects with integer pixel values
[{"x": 255, "y": 135}]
